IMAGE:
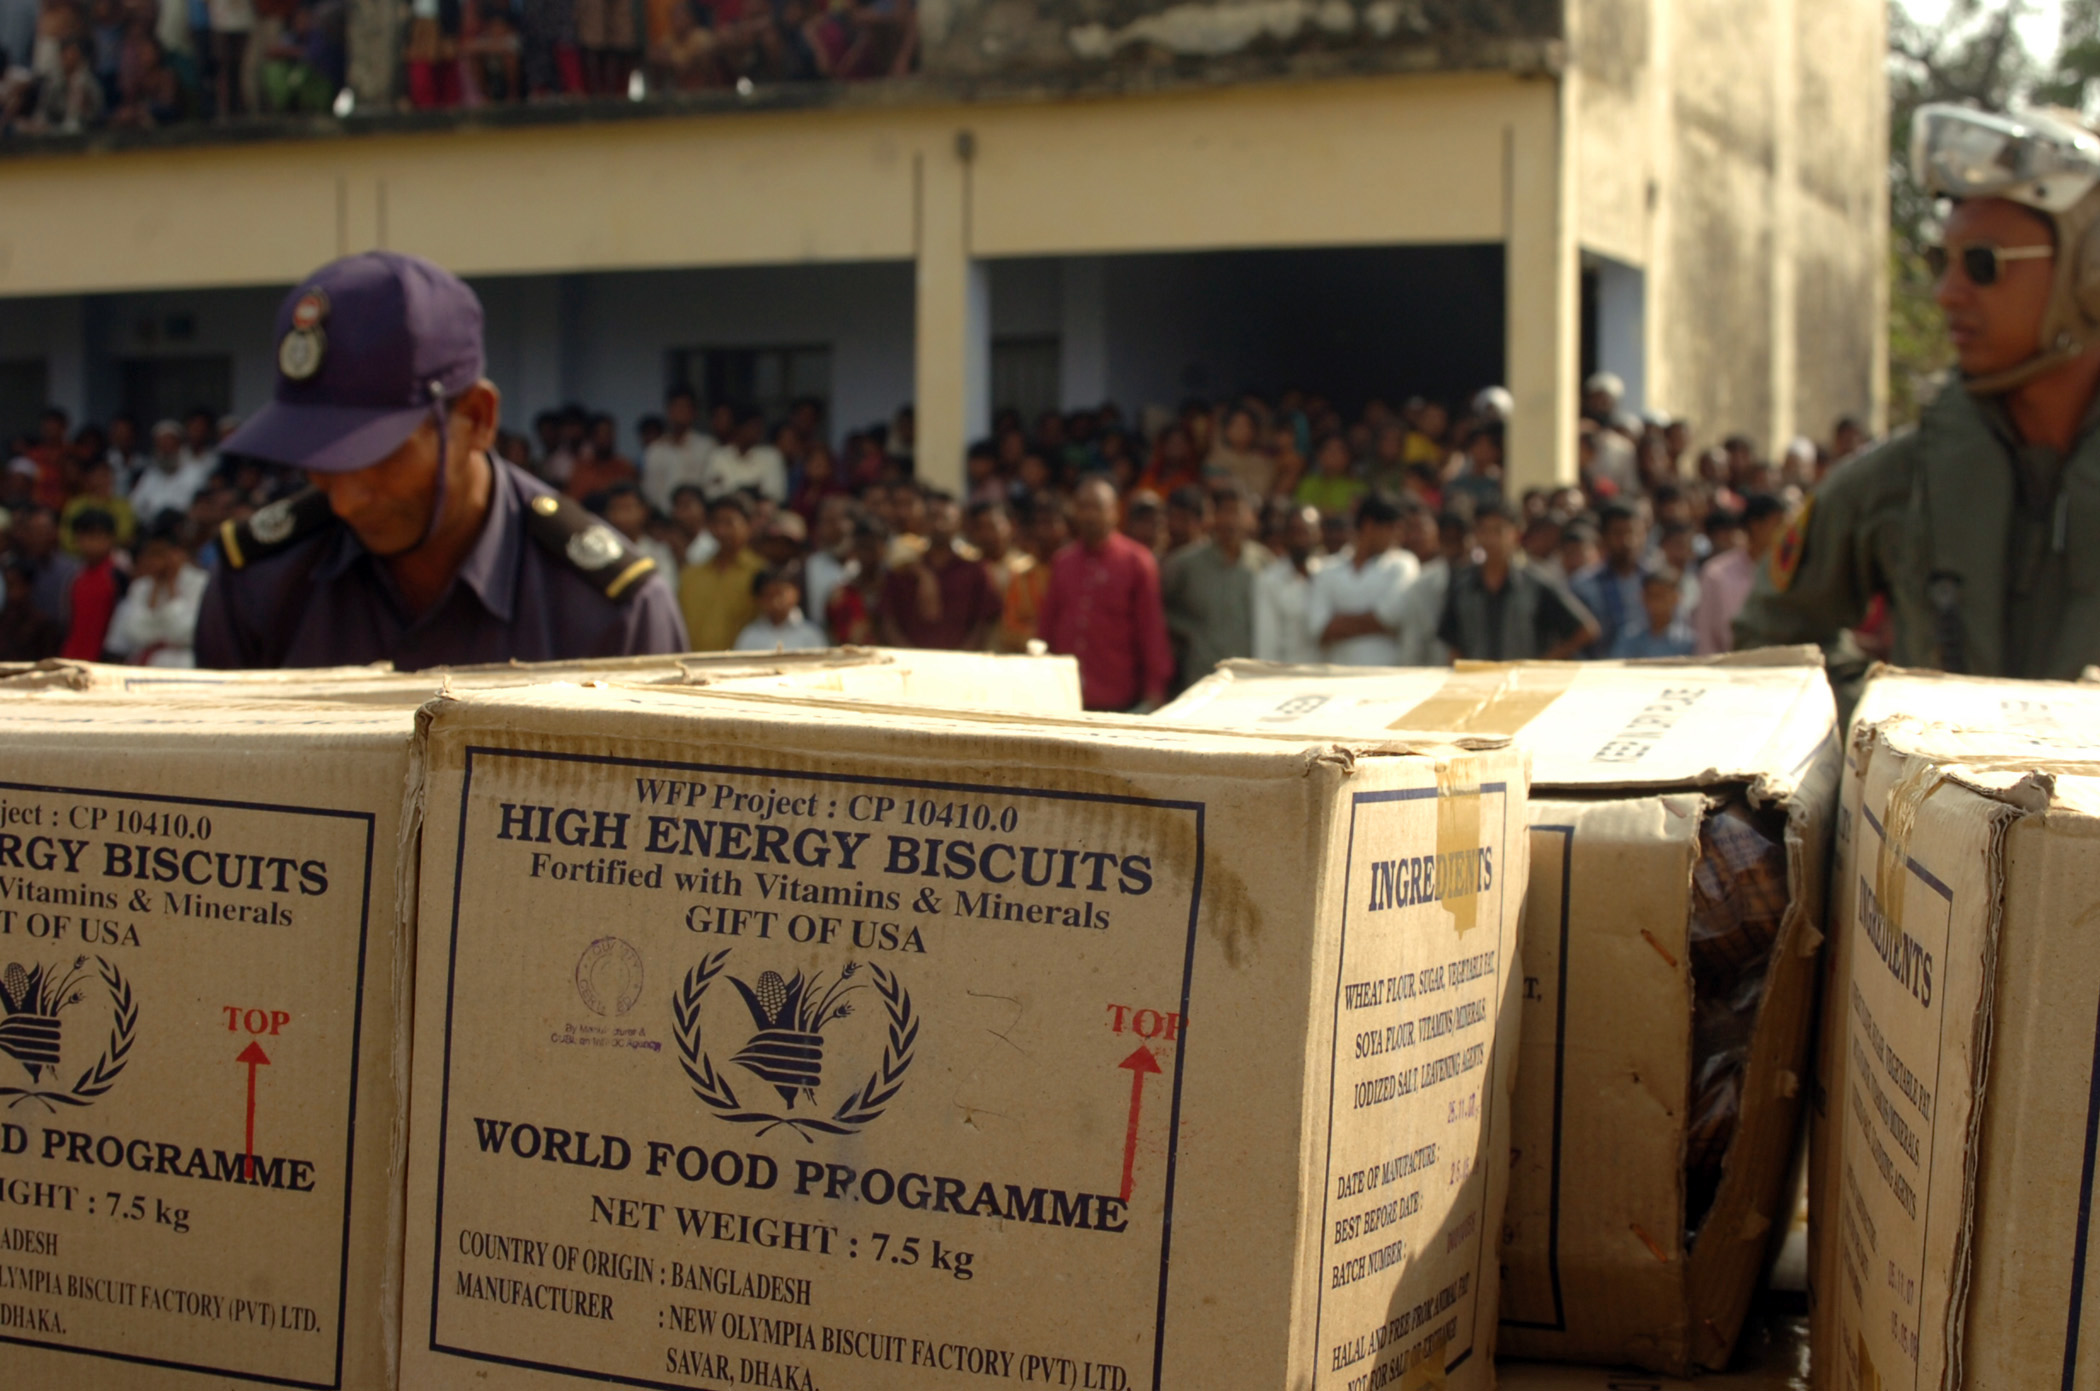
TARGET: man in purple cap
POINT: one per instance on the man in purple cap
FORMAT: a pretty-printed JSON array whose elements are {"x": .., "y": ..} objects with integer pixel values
[{"x": 415, "y": 543}]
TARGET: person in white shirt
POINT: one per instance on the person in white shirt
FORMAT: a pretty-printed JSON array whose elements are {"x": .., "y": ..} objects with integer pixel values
[
  {"x": 745, "y": 460},
  {"x": 155, "y": 623},
  {"x": 200, "y": 440},
  {"x": 827, "y": 566},
  {"x": 1358, "y": 606},
  {"x": 1440, "y": 544},
  {"x": 780, "y": 626},
  {"x": 1283, "y": 593},
  {"x": 681, "y": 456},
  {"x": 172, "y": 477}
]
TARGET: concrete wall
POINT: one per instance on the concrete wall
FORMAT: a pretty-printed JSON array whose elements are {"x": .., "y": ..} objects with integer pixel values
[
  {"x": 1841, "y": 216},
  {"x": 603, "y": 339},
  {"x": 1735, "y": 155}
]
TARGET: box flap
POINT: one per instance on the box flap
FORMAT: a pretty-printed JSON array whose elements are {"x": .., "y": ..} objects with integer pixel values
[{"x": 1587, "y": 724}]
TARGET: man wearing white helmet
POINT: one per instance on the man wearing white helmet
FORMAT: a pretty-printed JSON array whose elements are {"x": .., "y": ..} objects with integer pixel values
[{"x": 1982, "y": 525}]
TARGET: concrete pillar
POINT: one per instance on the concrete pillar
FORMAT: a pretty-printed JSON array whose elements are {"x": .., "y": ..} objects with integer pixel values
[
  {"x": 1543, "y": 319},
  {"x": 1082, "y": 340},
  {"x": 1785, "y": 214},
  {"x": 373, "y": 34},
  {"x": 1663, "y": 390},
  {"x": 953, "y": 337}
]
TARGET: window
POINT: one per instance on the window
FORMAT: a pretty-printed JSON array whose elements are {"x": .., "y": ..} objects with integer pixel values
[
  {"x": 169, "y": 388},
  {"x": 1025, "y": 376},
  {"x": 770, "y": 379},
  {"x": 24, "y": 385}
]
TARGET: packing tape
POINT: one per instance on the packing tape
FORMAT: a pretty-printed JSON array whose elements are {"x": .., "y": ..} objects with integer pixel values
[
  {"x": 1458, "y": 841},
  {"x": 1899, "y": 820},
  {"x": 1426, "y": 1372},
  {"x": 1490, "y": 698}
]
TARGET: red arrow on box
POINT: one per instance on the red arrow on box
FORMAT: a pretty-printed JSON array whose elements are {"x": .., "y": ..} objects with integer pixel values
[
  {"x": 254, "y": 1056},
  {"x": 1141, "y": 1064}
]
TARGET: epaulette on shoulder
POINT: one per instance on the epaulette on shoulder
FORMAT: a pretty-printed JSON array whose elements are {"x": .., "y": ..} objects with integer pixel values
[
  {"x": 586, "y": 544},
  {"x": 274, "y": 527}
]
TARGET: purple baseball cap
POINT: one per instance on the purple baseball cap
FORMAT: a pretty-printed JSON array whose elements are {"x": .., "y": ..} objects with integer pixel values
[{"x": 367, "y": 347}]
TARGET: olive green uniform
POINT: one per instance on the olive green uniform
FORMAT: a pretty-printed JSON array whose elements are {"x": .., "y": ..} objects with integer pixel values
[{"x": 1988, "y": 549}]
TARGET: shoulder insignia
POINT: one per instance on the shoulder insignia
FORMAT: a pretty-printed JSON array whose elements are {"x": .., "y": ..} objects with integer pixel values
[
  {"x": 586, "y": 545},
  {"x": 274, "y": 527},
  {"x": 1786, "y": 554}
]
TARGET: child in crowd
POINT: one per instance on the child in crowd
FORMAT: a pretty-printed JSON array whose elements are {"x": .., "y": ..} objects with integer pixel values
[
  {"x": 780, "y": 626},
  {"x": 1661, "y": 631}
]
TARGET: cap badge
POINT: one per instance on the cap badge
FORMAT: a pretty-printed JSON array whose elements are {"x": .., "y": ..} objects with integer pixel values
[
  {"x": 273, "y": 523},
  {"x": 299, "y": 354},
  {"x": 594, "y": 548}
]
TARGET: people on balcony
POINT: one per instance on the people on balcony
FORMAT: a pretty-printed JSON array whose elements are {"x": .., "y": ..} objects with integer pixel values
[{"x": 70, "y": 66}]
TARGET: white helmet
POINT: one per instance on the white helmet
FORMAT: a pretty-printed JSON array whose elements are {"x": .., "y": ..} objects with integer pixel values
[{"x": 2044, "y": 160}]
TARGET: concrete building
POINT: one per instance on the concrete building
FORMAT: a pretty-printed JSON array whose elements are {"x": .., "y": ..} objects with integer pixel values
[{"x": 1074, "y": 200}]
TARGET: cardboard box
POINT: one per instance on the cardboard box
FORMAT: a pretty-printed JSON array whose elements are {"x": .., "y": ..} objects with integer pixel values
[
  {"x": 1963, "y": 841},
  {"x": 1770, "y": 1357},
  {"x": 1646, "y": 777},
  {"x": 1035, "y": 684},
  {"x": 759, "y": 1086},
  {"x": 202, "y": 1073}
]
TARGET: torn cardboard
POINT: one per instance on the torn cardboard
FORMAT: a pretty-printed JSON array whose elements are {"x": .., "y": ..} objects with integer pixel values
[
  {"x": 1656, "y": 788},
  {"x": 1772, "y": 1355},
  {"x": 769, "y": 1042},
  {"x": 1942, "y": 1240},
  {"x": 202, "y": 1069}
]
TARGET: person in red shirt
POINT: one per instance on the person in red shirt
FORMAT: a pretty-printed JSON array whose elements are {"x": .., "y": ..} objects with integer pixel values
[
  {"x": 96, "y": 590},
  {"x": 1103, "y": 607},
  {"x": 944, "y": 600},
  {"x": 852, "y": 610},
  {"x": 599, "y": 464},
  {"x": 54, "y": 471}
]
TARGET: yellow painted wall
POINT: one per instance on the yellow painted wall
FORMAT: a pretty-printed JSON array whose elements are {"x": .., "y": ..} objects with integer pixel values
[
  {"x": 1395, "y": 160},
  {"x": 1374, "y": 161}
]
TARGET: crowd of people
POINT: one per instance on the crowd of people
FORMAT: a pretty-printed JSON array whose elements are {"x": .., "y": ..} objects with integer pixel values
[
  {"x": 1274, "y": 528},
  {"x": 68, "y": 66}
]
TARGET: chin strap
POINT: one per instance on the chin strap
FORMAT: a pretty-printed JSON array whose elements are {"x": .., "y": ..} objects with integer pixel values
[
  {"x": 2067, "y": 349},
  {"x": 437, "y": 503}
]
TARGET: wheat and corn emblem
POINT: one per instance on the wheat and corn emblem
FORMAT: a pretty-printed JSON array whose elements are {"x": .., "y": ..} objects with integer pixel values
[
  {"x": 35, "y": 1005},
  {"x": 786, "y": 1050}
]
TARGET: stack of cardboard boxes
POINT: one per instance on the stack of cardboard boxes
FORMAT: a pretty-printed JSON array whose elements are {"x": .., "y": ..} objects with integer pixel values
[
  {"x": 1958, "y": 1115},
  {"x": 760, "y": 1039},
  {"x": 877, "y": 1020},
  {"x": 1678, "y": 820}
]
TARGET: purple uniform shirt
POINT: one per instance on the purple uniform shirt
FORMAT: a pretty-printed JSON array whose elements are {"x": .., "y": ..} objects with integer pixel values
[{"x": 327, "y": 601}]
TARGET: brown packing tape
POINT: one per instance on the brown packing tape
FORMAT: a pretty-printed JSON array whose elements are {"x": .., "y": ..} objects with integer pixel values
[
  {"x": 1491, "y": 699},
  {"x": 1901, "y": 819},
  {"x": 1458, "y": 840}
]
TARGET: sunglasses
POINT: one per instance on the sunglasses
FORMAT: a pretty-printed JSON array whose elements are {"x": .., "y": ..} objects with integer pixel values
[{"x": 1981, "y": 262}]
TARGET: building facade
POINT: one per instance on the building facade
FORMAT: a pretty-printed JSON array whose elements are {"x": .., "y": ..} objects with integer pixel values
[{"x": 1069, "y": 201}]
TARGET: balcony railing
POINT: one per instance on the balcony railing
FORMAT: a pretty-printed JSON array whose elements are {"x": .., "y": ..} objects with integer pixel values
[{"x": 79, "y": 67}]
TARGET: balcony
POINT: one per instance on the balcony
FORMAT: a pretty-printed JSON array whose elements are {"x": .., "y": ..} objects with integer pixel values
[{"x": 118, "y": 74}]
